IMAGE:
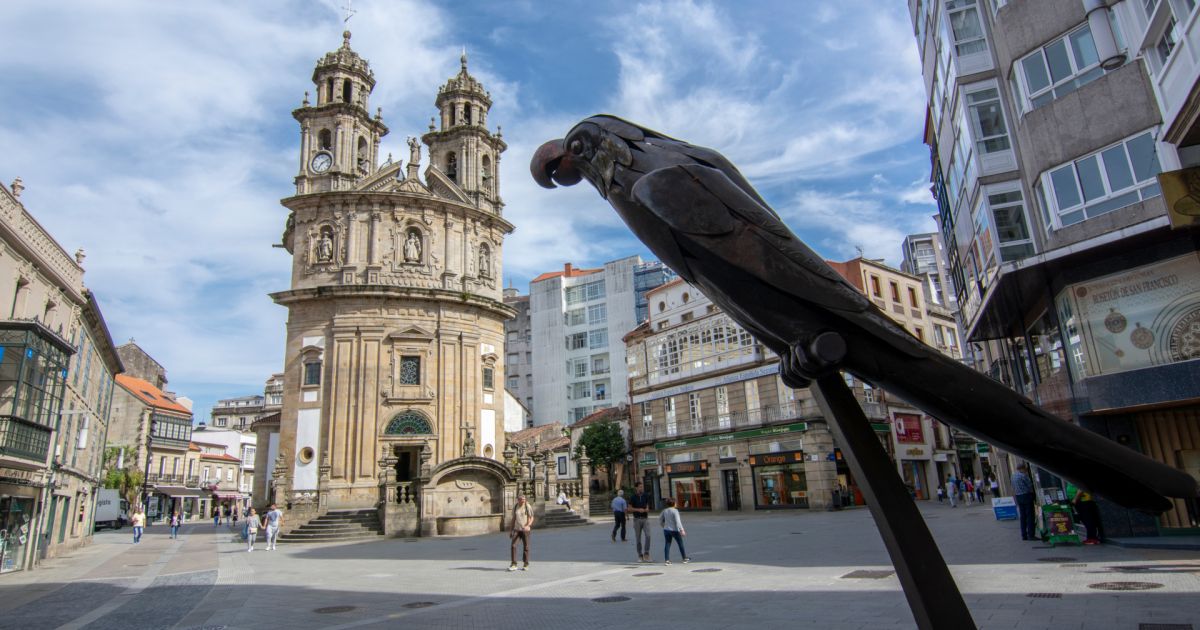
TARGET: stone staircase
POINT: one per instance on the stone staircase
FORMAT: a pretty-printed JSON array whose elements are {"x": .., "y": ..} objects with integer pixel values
[
  {"x": 600, "y": 504},
  {"x": 337, "y": 526},
  {"x": 559, "y": 516}
]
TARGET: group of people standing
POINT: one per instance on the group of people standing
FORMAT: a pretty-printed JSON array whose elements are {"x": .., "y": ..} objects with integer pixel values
[
  {"x": 639, "y": 506},
  {"x": 1083, "y": 504},
  {"x": 967, "y": 490}
]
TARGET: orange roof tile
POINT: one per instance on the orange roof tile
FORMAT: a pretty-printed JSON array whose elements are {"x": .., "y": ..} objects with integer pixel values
[
  {"x": 602, "y": 415},
  {"x": 150, "y": 394},
  {"x": 221, "y": 456},
  {"x": 568, "y": 271}
]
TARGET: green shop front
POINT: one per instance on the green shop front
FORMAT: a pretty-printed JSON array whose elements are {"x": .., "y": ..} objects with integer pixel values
[{"x": 33, "y": 362}]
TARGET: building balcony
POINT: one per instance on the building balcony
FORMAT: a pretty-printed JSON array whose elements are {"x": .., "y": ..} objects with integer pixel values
[
  {"x": 165, "y": 479},
  {"x": 192, "y": 481},
  {"x": 736, "y": 421},
  {"x": 24, "y": 441}
]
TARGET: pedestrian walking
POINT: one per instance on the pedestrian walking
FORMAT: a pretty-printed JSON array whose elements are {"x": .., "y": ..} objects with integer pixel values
[
  {"x": 995, "y": 487},
  {"x": 139, "y": 525},
  {"x": 271, "y": 522},
  {"x": 951, "y": 490},
  {"x": 216, "y": 515},
  {"x": 175, "y": 523},
  {"x": 1023, "y": 493},
  {"x": 639, "y": 506},
  {"x": 941, "y": 495},
  {"x": 672, "y": 530},
  {"x": 251, "y": 529},
  {"x": 619, "y": 505},
  {"x": 522, "y": 523},
  {"x": 979, "y": 486},
  {"x": 968, "y": 487}
]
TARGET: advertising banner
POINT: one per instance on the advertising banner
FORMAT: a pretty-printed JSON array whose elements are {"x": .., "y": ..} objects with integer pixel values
[{"x": 1138, "y": 318}]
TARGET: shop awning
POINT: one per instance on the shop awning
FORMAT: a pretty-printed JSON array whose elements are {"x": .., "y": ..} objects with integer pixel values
[
  {"x": 228, "y": 495},
  {"x": 178, "y": 492}
]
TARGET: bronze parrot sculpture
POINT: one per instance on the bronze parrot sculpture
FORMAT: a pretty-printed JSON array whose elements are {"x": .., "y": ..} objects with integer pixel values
[{"x": 701, "y": 217}]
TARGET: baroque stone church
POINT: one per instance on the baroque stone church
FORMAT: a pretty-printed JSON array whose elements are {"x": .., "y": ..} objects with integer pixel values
[{"x": 393, "y": 388}]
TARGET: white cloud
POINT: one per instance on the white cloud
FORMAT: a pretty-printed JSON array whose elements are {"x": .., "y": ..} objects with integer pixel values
[{"x": 158, "y": 136}]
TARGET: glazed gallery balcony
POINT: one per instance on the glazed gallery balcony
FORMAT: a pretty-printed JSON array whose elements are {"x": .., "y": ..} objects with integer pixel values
[
  {"x": 749, "y": 418},
  {"x": 33, "y": 370}
]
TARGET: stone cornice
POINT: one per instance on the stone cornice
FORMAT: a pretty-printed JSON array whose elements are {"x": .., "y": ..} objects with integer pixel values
[
  {"x": 365, "y": 199},
  {"x": 440, "y": 296},
  {"x": 22, "y": 232}
]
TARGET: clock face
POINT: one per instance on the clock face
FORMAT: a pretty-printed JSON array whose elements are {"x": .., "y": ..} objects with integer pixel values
[{"x": 321, "y": 162}]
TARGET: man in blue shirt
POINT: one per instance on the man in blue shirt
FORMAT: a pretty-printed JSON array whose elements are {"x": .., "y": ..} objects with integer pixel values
[
  {"x": 639, "y": 505},
  {"x": 1023, "y": 494},
  {"x": 618, "y": 507}
]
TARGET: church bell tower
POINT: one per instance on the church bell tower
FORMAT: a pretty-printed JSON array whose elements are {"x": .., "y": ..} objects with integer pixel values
[
  {"x": 339, "y": 139},
  {"x": 460, "y": 145}
]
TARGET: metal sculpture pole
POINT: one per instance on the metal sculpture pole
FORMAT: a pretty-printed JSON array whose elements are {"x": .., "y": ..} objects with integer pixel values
[{"x": 932, "y": 594}]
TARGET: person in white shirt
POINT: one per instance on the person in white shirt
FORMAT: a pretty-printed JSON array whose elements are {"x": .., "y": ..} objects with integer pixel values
[
  {"x": 271, "y": 522},
  {"x": 672, "y": 530}
]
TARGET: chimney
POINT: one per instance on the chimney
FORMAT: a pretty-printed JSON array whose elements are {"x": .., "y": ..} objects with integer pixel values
[{"x": 567, "y": 269}]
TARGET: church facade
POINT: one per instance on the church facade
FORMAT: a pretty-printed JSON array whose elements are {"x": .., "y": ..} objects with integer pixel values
[{"x": 393, "y": 374}]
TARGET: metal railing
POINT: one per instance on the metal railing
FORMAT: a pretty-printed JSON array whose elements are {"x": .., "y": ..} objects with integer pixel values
[
  {"x": 22, "y": 438},
  {"x": 745, "y": 419}
]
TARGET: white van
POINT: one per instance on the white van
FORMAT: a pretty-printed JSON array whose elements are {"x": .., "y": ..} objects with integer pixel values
[{"x": 111, "y": 510}]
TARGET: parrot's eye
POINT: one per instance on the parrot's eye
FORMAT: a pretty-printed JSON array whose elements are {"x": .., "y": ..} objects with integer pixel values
[{"x": 576, "y": 147}]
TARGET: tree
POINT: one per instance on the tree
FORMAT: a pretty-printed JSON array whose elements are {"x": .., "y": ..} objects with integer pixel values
[{"x": 605, "y": 445}]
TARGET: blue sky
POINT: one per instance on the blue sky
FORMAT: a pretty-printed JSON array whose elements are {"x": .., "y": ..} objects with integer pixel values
[{"x": 159, "y": 138}]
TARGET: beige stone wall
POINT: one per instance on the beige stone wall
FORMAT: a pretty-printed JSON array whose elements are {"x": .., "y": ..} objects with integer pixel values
[{"x": 362, "y": 342}]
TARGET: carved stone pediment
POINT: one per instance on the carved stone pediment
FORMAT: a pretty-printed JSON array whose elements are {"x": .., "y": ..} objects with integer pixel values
[
  {"x": 412, "y": 332},
  {"x": 442, "y": 186}
]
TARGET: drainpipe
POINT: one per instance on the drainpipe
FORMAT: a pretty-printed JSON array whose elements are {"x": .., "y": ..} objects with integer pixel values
[{"x": 1102, "y": 34}]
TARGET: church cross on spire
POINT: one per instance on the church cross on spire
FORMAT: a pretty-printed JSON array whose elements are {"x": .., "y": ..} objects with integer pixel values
[{"x": 349, "y": 11}]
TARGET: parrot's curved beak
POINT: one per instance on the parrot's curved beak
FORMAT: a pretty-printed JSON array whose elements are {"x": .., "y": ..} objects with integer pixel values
[{"x": 552, "y": 165}]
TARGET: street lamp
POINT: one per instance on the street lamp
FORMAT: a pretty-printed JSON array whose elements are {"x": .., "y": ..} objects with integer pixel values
[{"x": 146, "y": 474}]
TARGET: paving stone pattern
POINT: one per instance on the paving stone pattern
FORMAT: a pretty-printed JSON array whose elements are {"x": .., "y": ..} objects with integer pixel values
[{"x": 778, "y": 569}]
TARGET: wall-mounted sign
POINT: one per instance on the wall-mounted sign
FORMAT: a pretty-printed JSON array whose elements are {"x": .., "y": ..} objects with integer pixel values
[
  {"x": 908, "y": 428},
  {"x": 1138, "y": 318},
  {"x": 737, "y": 435},
  {"x": 774, "y": 459},
  {"x": 1181, "y": 191}
]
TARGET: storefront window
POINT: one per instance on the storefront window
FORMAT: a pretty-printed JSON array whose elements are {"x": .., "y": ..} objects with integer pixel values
[
  {"x": 779, "y": 480},
  {"x": 16, "y": 525},
  {"x": 1137, "y": 318},
  {"x": 690, "y": 486}
]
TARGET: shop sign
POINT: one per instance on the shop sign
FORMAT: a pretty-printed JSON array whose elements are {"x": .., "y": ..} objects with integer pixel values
[
  {"x": 915, "y": 452},
  {"x": 983, "y": 448},
  {"x": 775, "y": 459},
  {"x": 881, "y": 427},
  {"x": 1137, "y": 318},
  {"x": 18, "y": 477},
  {"x": 738, "y": 435},
  {"x": 688, "y": 467}
]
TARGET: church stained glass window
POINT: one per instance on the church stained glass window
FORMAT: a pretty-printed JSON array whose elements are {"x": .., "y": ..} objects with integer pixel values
[
  {"x": 409, "y": 423},
  {"x": 410, "y": 370}
]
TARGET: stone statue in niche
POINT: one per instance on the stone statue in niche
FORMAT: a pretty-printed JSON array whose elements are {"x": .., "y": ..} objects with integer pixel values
[
  {"x": 469, "y": 445},
  {"x": 414, "y": 150},
  {"x": 412, "y": 247},
  {"x": 485, "y": 262},
  {"x": 325, "y": 245}
]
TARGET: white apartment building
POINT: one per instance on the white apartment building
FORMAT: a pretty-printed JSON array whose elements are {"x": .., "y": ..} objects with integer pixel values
[{"x": 579, "y": 317}]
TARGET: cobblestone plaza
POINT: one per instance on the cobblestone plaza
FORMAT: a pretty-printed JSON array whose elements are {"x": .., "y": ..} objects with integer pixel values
[{"x": 765, "y": 570}]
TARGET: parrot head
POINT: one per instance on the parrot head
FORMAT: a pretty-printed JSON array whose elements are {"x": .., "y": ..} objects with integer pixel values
[{"x": 593, "y": 150}]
